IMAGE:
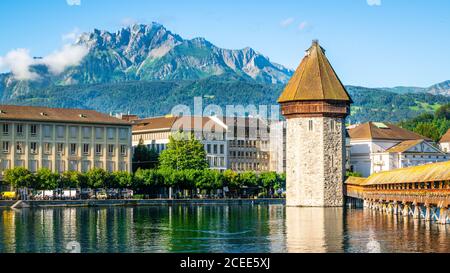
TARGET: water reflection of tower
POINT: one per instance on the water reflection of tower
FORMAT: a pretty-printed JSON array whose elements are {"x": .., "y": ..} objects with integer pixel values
[{"x": 314, "y": 230}]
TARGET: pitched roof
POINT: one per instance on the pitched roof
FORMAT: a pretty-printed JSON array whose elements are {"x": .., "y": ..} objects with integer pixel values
[
  {"x": 385, "y": 131},
  {"x": 156, "y": 123},
  {"x": 169, "y": 123},
  {"x": 446, "y": 137},
  {"x": 424, "y": 173},
  {"x": 46, "y": 114},
  {"x": 404, "y": 146},
  {"x": 314, "y": 79},
  {"x": 352, "y": 180}
]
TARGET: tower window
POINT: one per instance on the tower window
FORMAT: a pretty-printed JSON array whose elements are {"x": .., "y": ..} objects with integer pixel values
[
  {"x": 332, "y": 125},
  {"x": 310, "y": 125}
]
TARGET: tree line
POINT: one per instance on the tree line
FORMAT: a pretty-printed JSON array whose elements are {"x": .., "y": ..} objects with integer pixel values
[
  {"x": 186, "y": 182},
  {"x": 432, "y": 125}
]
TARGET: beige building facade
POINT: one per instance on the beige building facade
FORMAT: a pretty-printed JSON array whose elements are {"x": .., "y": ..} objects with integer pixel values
[{"x": 63, "y": 140}]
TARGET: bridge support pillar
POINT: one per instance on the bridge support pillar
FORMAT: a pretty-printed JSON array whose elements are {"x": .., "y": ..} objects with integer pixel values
[
  {"x": 427, "y": 212},
  {"x": 416, "y": 214},
  {"x": 395, "y": 208},
  {"x": 405, "y": 210},
  {"x": 443, "y": 213}
]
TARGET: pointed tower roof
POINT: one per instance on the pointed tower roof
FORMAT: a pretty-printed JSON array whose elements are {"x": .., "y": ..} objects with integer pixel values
[{"x": 314, "y": 80}]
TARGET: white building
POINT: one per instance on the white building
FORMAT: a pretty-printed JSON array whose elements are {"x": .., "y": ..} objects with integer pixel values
[
  {"x": 445, "y": 142},
  {"x": 376, "y": 147},
  {"x": 155, "y": 133}
]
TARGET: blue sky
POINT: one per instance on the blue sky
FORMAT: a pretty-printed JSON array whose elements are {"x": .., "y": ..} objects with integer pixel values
[{"x": 369, "y": 42}]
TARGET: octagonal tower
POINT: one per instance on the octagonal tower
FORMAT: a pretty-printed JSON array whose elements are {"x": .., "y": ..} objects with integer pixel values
[{"x": 315, "y": 104}]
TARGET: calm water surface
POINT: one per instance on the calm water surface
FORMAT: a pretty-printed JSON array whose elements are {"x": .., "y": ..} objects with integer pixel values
[{"x": 216, "y": 228}]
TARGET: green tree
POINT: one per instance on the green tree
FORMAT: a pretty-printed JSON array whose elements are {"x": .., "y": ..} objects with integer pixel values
[
  {"x": 69, "y": 180},
  {"x": 98, "y": 178},
  {"x": 248, "y": 179},
  {"x": 443, "y": 112},
  {"x": 231, "y": 179},
  {"x": 122, "y": 179},
  {"x": 19, "y": 177},
  {"x": 268, "y": 180},
  {"x": 144, "y": 158},
  {"x": 183, "y": 152},
  {"x": 46, "y": 180},
  {"x": 353, "y": 174},
  {"x": 429, "y": 130}
]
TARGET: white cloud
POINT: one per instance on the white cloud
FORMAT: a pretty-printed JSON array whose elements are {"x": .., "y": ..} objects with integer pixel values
[
  {"x": 374, "y": 2},
  {"x": 18, "y": 61},
  {"x": 287, "y": 22},
  {"x": 71, "y": 36},
  {"x": 73, "y": 2},
  {"x": 69, "y": 55},
  {"x": 303, "y": 25}
]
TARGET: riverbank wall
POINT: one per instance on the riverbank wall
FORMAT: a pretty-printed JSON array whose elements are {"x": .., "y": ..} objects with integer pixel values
[{"x": 144, "y": 202}]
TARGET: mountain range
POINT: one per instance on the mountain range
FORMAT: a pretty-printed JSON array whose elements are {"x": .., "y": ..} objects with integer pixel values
[{"x": 147, "y": 69}]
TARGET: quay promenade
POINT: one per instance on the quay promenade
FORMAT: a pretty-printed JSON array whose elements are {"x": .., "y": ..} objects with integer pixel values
[
  {"x": 421, "y": 192},
  {"x": 138, "y": 202}
]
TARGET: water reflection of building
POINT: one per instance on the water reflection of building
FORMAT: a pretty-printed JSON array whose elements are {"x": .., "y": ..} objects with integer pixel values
[
  {"x": 316, "y": 230},
  {"x": 8, "y": 232}
]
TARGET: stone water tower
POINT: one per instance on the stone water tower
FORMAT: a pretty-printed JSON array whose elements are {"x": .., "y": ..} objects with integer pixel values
[{"x": 315, "y": 104}]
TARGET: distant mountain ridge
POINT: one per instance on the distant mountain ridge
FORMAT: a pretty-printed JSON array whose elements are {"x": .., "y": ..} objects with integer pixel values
[{"x": 150, "y": 52}]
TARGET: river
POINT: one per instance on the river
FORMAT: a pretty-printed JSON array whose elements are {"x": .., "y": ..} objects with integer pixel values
[{"x": 215, "y": 228}]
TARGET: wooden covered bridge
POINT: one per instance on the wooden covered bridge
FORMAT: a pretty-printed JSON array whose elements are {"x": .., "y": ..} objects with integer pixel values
[{"x": 422, "y": 192}]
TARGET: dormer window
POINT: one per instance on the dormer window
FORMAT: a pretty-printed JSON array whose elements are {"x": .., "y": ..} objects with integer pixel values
[
  {"x": 43, "y": 114},
  {"x": 2, "y": 112},
  {"x": 83, "y": 116}
]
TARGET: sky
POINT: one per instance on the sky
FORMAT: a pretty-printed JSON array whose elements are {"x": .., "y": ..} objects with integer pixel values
[{"x": 373, "y": 43}]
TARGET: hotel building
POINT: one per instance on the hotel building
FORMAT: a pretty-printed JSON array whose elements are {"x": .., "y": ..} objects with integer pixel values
[
  {"x": 62, "y": 139},
  {"x": 155, "y": 133},
  {"x": 377, "y": 147}
]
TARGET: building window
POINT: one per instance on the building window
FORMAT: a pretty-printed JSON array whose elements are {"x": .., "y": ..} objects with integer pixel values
[
  {"x": 60, "y": 166},
  {"x": 47, "y": 131},
  {"x": 110, "y": 166},
  {"x": 110, "y": 149},
  {"x": 123, "y": 133},
  {"x": 60, "y": 148},
  {"x": 19, "y": 147},
  {"x": 73, "y": 149},
  {"x": 99, "y": 133},
  {"x": 111, "y": 133},
  {"x": 33, "y": 148},
  {"x": 73, "y": 165},
  {"x": 5, "y": 128},
  {"x": 332, "y": 125},
  {"x": 33, "y": 129},
  {"x": 47, "y": 148},
  {"x": 123, "y": 150},
  {"x": 310, "y": 125},
  {"x": 99, "y": 164},
  {"x": 19, "y": 129},
  {"x": 222, "y": 149},
  {"x": 208, "y": 148},
  {"x": 86, "y": 149},
  {"x": 5, "y": 147},
  {"x": 60, "y": 131},
  {"x": 85, "y": 165},
  {"x": 215, "y": 148},
  {"x": 73, "y": 132},
  {"x": 86, "y": 132},
  {"x": 98, "y": 149},
  {"x": 47, "y": 164},
  {"x": 32, "y": 166}
]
